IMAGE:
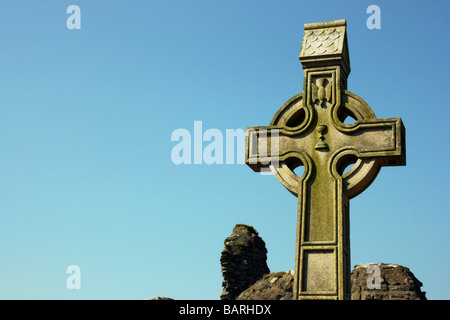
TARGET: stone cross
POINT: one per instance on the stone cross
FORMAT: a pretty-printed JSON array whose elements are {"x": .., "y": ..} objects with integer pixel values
[{"x": 312, "y": 130}]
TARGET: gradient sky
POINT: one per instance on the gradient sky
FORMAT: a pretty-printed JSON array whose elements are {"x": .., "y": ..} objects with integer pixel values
[{"x": 86, "y": 117}]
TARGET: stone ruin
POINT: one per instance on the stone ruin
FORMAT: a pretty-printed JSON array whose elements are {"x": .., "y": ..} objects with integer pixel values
[
  {"x": 396, "y": 283},
  {"x": 243, "y": 261},
  {"x": 247, "y": 276}
]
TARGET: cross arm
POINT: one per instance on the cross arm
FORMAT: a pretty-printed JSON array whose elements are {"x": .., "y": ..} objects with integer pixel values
[
  {"x": 383, "y": 139},
  {"x": 261, "y": 146},
  {"x": 268, "y": 145}
]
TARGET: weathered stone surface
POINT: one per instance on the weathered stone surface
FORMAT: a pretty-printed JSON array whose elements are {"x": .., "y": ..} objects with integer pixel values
[
  {"x": 310, "y": 130},
  {"x": 243, "y": 261},
  {"x": 273, "y": 286},
  {"x": 396, "y": 283}
]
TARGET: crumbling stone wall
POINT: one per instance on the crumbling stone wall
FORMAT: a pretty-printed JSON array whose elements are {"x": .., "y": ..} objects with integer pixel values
[
  {"x": 395, "y": 282},
  {"x": 243, "y": 260},
  {"x": 246, "y": 274},
  {"x": 273, "y": 286}
]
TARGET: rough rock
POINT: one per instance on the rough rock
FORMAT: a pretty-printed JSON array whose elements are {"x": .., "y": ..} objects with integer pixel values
[
  {"x": 274, "y": 286},
  {"x": 396, "y": 283},
  {"x": 243, "y": 260}
]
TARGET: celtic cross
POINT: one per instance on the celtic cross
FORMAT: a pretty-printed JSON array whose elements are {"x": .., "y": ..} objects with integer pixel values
[{"x": 311, "y": 130}]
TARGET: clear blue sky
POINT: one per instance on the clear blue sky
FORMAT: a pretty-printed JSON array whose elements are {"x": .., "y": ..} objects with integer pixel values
[{"x": 86, "y": 118}]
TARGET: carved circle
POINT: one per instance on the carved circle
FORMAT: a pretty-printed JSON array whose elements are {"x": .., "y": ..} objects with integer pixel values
[{"x": 295, "y": 116}]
